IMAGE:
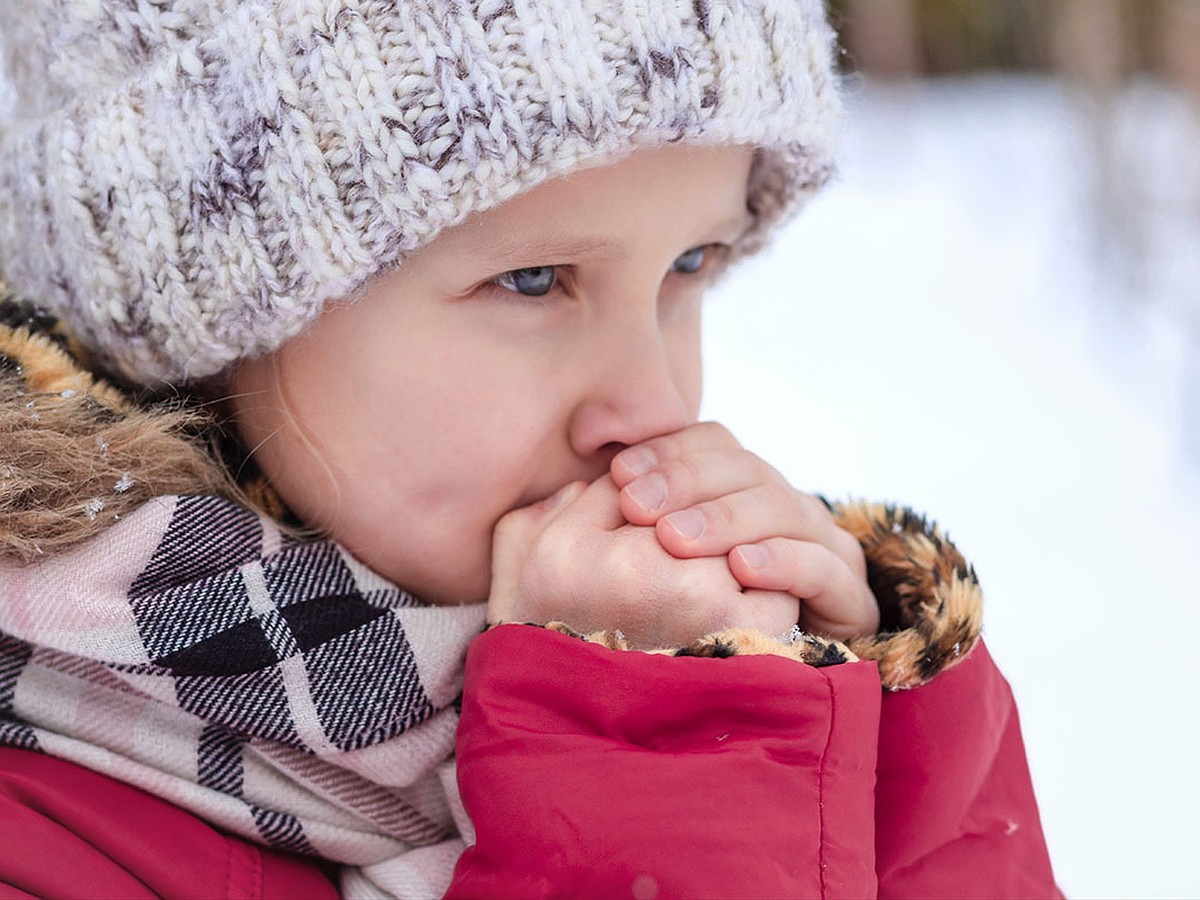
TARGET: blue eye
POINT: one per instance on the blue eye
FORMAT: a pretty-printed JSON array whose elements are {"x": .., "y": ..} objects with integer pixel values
[
  {"x": 532, "y": 282},
  {"x": 691, "y": 262}
]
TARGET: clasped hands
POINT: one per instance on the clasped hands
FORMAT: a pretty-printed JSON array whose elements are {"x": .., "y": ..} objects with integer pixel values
[{"x": 687, "y": 534}]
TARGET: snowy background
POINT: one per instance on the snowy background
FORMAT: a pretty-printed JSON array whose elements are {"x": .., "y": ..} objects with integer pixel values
[{"x": 974, "y": 322}]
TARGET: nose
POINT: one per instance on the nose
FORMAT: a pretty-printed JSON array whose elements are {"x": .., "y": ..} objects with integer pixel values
[{"x": 645, "y": 382}]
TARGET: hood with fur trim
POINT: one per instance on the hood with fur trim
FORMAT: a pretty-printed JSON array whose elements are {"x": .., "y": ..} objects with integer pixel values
[{"x": 77, "y": 453}]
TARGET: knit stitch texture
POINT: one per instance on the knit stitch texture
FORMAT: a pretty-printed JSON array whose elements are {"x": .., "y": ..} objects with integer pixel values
[{"x": 187, "y": 182}]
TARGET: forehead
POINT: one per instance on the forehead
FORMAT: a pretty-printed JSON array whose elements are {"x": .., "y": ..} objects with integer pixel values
[{"x": 604, "y": 210}]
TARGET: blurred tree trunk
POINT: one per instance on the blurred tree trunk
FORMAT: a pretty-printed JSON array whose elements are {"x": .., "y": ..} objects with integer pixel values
[
  {"x": 1179, "y": 49},
  {"x": 1091, "y": 46},
  {"x": 883, "y": 37},
  {"x": 1088, "y": 43},
  {"x": 1179, "y": 44}
]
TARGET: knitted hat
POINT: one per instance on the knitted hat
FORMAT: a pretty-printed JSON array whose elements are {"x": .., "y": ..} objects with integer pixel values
[{"x": 187, "y": 182}]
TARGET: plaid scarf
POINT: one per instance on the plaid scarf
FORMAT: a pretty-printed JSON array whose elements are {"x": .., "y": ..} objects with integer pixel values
[{"x": 274, "y": 687}]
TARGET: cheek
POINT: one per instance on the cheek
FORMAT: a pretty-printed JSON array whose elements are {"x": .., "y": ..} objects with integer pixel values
[
  {"x": 437, "y": 436},
  {"x": 687, "y": 364},
  {"x": 420, "y": 452}
]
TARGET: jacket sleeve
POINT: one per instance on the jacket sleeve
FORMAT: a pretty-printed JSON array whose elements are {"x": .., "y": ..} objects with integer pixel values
[
  {"x": 71, "y": 832},
  {"x": 593, "y": 772},
  {"x": 955, "y": 812}
]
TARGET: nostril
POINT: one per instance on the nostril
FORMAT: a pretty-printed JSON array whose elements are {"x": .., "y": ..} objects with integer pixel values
[{"x": 606, "y": 453}]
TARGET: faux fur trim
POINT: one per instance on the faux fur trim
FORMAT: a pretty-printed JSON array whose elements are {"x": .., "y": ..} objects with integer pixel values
[
  {"x": 930, "y": 602},
  {"x": 809, "y": 649},
  {"x": 76, "y": 453}
]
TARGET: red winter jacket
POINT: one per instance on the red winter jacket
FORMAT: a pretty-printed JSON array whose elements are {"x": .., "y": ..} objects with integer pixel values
[
  {"x": 71, "y": 832},
  {"x": 591, "y": 772}
]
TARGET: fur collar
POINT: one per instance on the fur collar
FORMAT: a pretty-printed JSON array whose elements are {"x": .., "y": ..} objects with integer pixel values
[{"x": 79, "y": 454}]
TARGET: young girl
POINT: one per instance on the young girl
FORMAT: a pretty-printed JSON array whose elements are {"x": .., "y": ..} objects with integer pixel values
[{"x": 367, "y": 325}]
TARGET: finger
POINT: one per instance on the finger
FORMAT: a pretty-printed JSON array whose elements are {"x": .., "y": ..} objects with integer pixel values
[
  {"x": 513, "y": 538},
  {"x": 597, "y": 505},
  {"x": 642, "y": 458},
  {"x": 706, "y": 476},
  {"x": 562, "y": 498},
  {"x": 694, "y": 598},
  {"x": 687, "y": 480},
  {"x": 771, "y": 612},
  {"x": 715, "y": 527},
  {"x": 837, "y": 603}
]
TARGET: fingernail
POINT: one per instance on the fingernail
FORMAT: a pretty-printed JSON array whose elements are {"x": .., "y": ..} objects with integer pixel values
[
  {"x": 753, "y": 555},
  {"x": 650, "y": 493},
  {"x": 689, "y": 523},
  {"x": 638, "y": 460}
]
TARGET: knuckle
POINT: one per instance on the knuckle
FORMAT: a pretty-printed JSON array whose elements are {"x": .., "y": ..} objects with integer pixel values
[
  {"x": 706, "y": 583},
  {"x": 758, "y": 468},
  {"x": 851, "y": 552},
  {"x": 664, "y": 447},
  {"x": 789, "y": 554},
  {"x": 717, "y": 432},
  {"x": 682, "y": 474},
  {"x": 814, "y": 509},
  {"x": 811, "y": 567},
  {"x": 543, "y": 564},
  {"x": 511, "y": 520},
  {"x": 858, "y": 560},
  {"x": 554, "y": 551},
  {"x": 509, "y": 529},
  {"x": 721, "y": 513},
  {"x": 628, "y": 559},
  {"x": 825, "y": 560}
]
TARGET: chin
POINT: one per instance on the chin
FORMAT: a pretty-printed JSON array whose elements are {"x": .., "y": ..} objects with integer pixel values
[{"x": 461, "y": 588}]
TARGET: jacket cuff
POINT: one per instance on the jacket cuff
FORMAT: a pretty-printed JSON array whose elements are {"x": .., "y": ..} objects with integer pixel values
[
  {"x": 930, "y": 602},
  {"x": 586, "y": 772},
  {"x": 810, "y": 649}
]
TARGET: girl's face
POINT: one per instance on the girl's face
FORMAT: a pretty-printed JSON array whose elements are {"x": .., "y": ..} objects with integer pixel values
[{"x": 517, "y": 352}]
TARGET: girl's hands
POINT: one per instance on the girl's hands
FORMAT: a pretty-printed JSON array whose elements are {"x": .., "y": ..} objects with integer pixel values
[
  {"x": 573, "y": 557},
  {"x": 707, "y": 497},
  {"x": 689, "y": 534}
]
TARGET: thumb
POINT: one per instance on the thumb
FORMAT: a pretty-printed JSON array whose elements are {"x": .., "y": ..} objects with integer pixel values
[{"x": 512, "y": 540}]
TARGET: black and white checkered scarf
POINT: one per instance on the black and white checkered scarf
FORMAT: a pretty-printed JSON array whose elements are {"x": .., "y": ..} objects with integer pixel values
[{"x": 274, "y": 687}]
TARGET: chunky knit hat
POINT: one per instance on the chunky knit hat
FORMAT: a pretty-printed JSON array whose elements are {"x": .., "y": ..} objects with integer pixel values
[{"x": 187, "y": 182}]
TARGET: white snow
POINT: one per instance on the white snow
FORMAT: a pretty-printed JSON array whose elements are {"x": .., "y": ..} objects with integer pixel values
[
  {"x": 93, "y": 508},
  {"x": 950, "y": 326}
]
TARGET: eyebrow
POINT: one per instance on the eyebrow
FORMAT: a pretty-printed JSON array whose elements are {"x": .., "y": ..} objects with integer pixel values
[
  {"x": 733, "y": 230},
  {"x": 553, "y": 247}
]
